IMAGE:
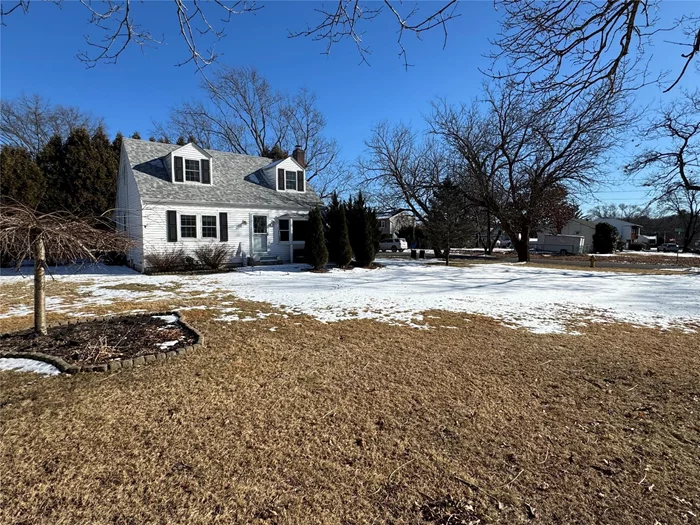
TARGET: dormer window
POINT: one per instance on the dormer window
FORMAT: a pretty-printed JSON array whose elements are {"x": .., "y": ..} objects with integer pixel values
[
  {"x": 288, "y": 180},
  {"x": 192, "y": 173},
  {"x": 191, "y": 170}
]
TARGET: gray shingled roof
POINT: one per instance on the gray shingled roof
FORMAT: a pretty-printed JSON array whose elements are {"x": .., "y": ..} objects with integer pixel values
[{"x": 234, "y": 179}]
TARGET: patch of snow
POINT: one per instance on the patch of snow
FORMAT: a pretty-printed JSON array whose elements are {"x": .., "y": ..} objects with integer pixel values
[
  {"x": 539, "y": 299},
  {"x": 170, "y": 318},
  {"x": 20, "y": 364},
  {"x": 273, "y": 329},
  {"x": 168, "y": 344}
]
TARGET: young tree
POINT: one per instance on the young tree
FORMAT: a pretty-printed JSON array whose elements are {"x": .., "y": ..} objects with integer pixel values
[
  {"x": 25, "y": 234},
  {"x": 315, "y": 247},
  {"x": 117, "y": 144},
  {"x": 180, "y": 141},
  {"x": 605, "y": 238},
  {"x": 450, "y": 221},
  {"x": 339, "y": 249},
  {"x": 364, "y": 231},
  {"x": 22, "y": 180},
  {"x": 136, "y": 135}
]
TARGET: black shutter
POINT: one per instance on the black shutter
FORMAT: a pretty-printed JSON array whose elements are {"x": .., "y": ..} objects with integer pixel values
[
  {"x": 172, "y": 226},
  {"x": 300, "y": 180},
  {"x": 280, "y": 179},
  {"x": 206, "y": 176},
  {"x": 223, "y": 227},
  {"x": 178, "y": 170}
]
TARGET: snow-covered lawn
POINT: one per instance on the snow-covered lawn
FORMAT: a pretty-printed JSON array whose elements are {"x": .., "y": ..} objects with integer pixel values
[{"x": 540, "y": 299}]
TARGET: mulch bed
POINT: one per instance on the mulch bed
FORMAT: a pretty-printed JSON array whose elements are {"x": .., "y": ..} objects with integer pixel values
[{"x": 98, "y": 342}]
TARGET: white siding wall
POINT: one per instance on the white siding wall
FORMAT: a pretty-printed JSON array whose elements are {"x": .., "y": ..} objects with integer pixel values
[
  {"x": 574, "y": 227},
  {"x": 239, "y": 230},
  {"x": 128, "y": 211}
]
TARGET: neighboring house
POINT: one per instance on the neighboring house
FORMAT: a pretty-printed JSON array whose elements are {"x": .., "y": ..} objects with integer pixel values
[
  {"x": 629, "y": 232},
  {"x": 581, "y": 227},
  {"x": 391, "y": 222},
  {"x": 171, "y": 197}
]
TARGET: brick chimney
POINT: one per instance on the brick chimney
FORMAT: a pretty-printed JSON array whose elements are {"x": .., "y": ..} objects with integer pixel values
[{"x": 299, "y": 155}]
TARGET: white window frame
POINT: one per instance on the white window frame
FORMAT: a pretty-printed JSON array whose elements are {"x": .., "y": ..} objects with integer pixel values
[
  {"x": 286, "y": 180},
  {"x": 180, "y": 217},
  {"x": 288, "y": 230},
  {"x": 185, "y": 170},
  {"x": 254, "y": 234},
  {"x": 216, "y": 226}
]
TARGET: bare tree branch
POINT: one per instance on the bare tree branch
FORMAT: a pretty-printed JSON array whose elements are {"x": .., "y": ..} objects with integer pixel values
[{"x": 347, "y": 19}]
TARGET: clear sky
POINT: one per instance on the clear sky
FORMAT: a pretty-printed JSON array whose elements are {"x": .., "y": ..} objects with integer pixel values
[{"x": 39, "y": 56}]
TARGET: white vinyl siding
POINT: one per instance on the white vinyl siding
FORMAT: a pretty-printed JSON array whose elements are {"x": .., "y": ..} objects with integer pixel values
[
  {"x": 128, "y": 213},
  {"x": 289, "y": 166},
  {"x": 240, "y": 230}
]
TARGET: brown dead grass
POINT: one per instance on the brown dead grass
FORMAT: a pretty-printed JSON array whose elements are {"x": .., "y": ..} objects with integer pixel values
[
  {"x": 547, "y": 266},
  {"x": 362, "y": 422}
]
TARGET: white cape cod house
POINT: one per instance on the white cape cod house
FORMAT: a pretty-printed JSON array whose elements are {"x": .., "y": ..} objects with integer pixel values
[{"x": 171, "y": 197}]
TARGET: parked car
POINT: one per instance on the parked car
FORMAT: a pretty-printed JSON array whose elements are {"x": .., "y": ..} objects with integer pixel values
[
  {"x": 668, "y": 247},
  {"x": 395, "y": 245}
]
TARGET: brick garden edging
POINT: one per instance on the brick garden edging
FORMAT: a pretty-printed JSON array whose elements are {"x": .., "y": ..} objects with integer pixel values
[{"x": 114, "y": 364}]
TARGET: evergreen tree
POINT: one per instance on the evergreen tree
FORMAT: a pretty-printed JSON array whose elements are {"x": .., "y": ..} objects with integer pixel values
[
  {"x": 449, "y": 221},
  {"x": 315, "y": 249},
  {"x": 339, "y": 249},
  {"x": 605, "y": 238},
  {"x": 51, "y": 161},
  {"x": 22, "y": 180},
  {"x": 151, "y": 138},
  {"x": 117, "y": 144},
  {"x": 103, "y": 186},
  {"x": 274, "y": 153},
  {"x": 181, "y": 141},
  {"x": 191, "y": 140},
  {"x": 364, "y": 231},
  {"x": 136, "y": 135}
]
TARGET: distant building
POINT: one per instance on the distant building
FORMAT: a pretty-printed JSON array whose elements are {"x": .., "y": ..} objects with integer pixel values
[
  {"x": 581, "y": 227},
  {"x": 390, "y": 222},
  {"x": 629, "y": 232}
]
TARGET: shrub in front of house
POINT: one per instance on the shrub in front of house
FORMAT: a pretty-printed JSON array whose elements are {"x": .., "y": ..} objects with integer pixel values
[
  {"x": 166, "y": 260},
  {"x": 339, "y": 249},
  {"x": 605, "y": 238},
  {"x": 315, "y": 250},
  {"x": 213, "y": 256},
  {"x": 364, "y": 231}
]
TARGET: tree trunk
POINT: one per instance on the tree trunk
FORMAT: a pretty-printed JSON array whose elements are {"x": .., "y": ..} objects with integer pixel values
[
  {"x": 522, "y": 245},
  {"x": 39, "y": 284},
  {"x": 488, "y": 248},
  {"x": 447, "y": 256},
  {"x": 437, "y": 251}
]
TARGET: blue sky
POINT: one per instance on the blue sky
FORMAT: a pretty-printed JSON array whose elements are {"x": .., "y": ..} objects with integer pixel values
[{"x": 39, "y": 55}]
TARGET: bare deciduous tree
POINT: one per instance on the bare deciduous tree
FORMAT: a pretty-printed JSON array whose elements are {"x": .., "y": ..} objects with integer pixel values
[
  {"x": 24, "y": 234},
  {"x": 517, "y": 152},
  {"x": 674, "y": 157},
  {"x": 29, "y": 121},
  {"x": 345, "y": 20},
  {"x": 575, "y": 45},
  {"x": 685, "y": 204},
  {"x": 200, "y": 24},
  {"x": 244, "y": 114}
]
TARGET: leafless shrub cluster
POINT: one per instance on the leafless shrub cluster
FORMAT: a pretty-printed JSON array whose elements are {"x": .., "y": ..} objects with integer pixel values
[
  {"x": 166, "y": 260},
  {"x": 214, "y": 256}
]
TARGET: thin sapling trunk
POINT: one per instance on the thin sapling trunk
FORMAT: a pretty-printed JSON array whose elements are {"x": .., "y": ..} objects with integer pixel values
[{"x": 39, "y": 286}]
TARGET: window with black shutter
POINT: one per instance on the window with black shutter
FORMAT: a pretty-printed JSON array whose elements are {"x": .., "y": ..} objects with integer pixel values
[
  {"x": 300, "y": 181},
  {"x": 280, "y": 179},
  {"x": 206, "y": 174},
  {"x": 178, "y": 170},
  {"x": 223, "y": 227},
  {"x": 172, "y": 226}
]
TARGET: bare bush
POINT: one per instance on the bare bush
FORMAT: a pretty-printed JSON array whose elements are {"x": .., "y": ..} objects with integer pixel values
[
  {"x": 213, "y": 256},
  {"x": 166, "y": 260}
]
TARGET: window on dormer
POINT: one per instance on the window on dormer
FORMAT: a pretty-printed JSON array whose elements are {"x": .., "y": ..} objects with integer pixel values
[
  {"x": 192, "y": 170},
  {"x": 291, "y": 180}
]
